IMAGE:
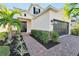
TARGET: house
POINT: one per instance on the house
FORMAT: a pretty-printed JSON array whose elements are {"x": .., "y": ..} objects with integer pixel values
[
  {"x": 45, "y": 19},
  {"x": 48, "y": 19}
]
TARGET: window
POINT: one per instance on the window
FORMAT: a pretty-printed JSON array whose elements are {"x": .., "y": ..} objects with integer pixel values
[
  {"x": 39, "y": 10},
  {"x": 33, "y": 10},
  {"x": 36, "y": 10},
  {"x": 25, "y": 14},
  {"x": 73, "y": 20}
]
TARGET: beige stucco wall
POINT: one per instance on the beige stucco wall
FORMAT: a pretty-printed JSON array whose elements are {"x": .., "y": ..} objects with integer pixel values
[
  {"x": 28, "y": 26},
  {"x": 59, "y": 15},
  {"x": 51, "y": 17},
  {"x": 28, "y": 15},
  {"x": 41, "y": 22}
]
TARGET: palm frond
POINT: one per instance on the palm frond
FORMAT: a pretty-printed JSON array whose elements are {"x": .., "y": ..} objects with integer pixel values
[
  {"x": 6, "y": 17},
  {"x": 71, "y": 8},
  {"x": 15, "y": 11}
]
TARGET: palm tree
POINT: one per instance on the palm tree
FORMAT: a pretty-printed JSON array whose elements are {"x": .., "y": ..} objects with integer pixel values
[
  {"x": 7, "y": 18},
  {"x": 71, "y": 10}
]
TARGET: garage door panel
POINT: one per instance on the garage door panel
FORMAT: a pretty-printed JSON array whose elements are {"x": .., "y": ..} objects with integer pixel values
[{"x": 61, "y": 27}]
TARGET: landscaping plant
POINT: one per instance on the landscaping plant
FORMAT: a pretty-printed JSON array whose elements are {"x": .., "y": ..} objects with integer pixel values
[
  {"x": 75, "y": 30},
  {"x": 3, "y": 35},
  {"x": 71, "y": 10},
  {"x": 8, "y": 21},
  {"x": 4, "y": 51},
  {"x": 40, "y": 35},
  {"x": 54, "y": 36},
  {"x": 14, "y": 41},
  {"x": 18, "y": 46}
]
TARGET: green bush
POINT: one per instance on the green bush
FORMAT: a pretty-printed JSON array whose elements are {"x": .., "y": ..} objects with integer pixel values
[
  {"x": 3, "y": 35},
  {"x": 41, "y": 35},
  {"x": 21, "y": 48},
  {"x": 4, "y": 51},
  {"x": 54, "y": 36},
  {"x": 75, "y": 30}
]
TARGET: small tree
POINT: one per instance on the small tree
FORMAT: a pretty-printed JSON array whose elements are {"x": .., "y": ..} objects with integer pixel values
[
  {"x": 6, "y": 18},
  {"x": 71, "y": 9},
  {"x": 75, "y": 30}
]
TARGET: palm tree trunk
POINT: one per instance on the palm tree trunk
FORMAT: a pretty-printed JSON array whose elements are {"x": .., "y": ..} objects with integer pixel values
[
  {"x": 10, "y": 36},
  {"x": 10, "y": 32}
]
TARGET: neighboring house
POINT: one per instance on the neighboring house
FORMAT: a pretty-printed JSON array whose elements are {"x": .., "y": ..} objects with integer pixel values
[
  {"x": 48, "y": 19},
  {"x": 73, "y": 22}
]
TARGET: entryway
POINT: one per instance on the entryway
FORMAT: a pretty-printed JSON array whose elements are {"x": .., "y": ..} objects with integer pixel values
[{"x": 24, "y": 27}]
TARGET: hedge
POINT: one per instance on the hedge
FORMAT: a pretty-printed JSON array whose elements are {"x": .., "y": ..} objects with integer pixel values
[
  {"x": 44, "y": 35},
  {"x": 75, "y": 30},
  {"x": 41, "y": 35},
  {"x": 4, "y": 51}
]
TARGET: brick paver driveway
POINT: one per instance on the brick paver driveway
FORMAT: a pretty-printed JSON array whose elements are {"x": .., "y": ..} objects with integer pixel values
[{"x": 69, "y": 46}]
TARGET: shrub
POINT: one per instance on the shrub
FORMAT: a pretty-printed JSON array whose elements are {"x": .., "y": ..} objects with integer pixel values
[
  {"x": 3, "y": 35},
  {"x": 54, "y": 36},
  {"x": 4, "y": 51},
  {"x": 41, "y": 35},
  {"x": 18, "y": 46},
  {"x": 21, "y": 48},
  {"x": 75, "y": 30}
]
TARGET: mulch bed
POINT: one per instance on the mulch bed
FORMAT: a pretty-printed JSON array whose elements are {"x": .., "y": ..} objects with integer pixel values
[
  {"x": 14, "y": 54},
  {"x": 78, "y": 54},
  {"x": 11, "y": 50},
  {"x": 47, "y": 45}
]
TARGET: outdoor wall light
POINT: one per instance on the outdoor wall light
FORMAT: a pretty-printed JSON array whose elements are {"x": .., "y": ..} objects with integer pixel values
[{"x": 51, "y": 22}]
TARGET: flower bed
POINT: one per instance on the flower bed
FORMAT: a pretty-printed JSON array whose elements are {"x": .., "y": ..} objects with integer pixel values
[
  {"x": 16, "y": 46},
  {"x": 47, "y": 39}
]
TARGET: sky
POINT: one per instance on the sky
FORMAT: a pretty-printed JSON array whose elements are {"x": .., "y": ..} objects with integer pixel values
[{"x": 26, "y": 5}]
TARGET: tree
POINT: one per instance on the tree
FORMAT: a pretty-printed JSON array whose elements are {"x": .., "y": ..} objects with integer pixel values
[
  {"x": 71, "y": 10},
  {"x": 6, "y": 18}
]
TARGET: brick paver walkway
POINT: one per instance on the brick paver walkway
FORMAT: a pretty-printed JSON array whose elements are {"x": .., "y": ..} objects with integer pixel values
[
  {"x": 69, "y": 46},
  {"x": 34, "y": 48}
]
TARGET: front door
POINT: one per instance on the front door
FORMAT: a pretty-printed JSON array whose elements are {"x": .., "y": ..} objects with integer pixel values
[{"x": 24, "y": 27}]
